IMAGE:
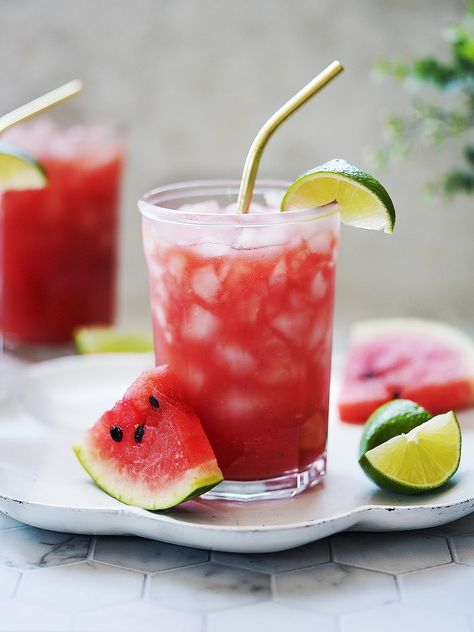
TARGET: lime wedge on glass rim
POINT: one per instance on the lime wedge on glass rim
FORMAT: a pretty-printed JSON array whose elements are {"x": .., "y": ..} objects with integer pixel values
[
  {"x": 421, "y": 460},
  {"x": 363, "y": 200},
  {"x": 19, "y": 170}
]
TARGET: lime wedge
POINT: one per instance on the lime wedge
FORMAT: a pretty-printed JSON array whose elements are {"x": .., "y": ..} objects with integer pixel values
[
  {"x": 110, "y": 340},
  {"x": 362, "y": 199},
  {"x": 420, "y": 461},
  {"x": 393, "y": 418},
  {"x": 19, "y": 170}
]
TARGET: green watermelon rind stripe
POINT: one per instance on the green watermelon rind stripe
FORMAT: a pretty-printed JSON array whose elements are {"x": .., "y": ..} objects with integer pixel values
[{"x": 201, "y": 484}]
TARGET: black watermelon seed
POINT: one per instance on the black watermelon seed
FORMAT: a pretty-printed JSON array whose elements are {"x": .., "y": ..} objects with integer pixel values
[
  {"x": 154, "y": 402},
  {"x": 116, "y": 433},
  {"x": 369, "y": 375},
  {"x": 139, "y": 432},
  {"x": 396, "y": 395}
]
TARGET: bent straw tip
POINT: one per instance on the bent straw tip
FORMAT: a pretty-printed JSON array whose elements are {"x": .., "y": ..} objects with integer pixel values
[
  {"x": 336, "y": 64},
  {"x": 74, "y": 84}
]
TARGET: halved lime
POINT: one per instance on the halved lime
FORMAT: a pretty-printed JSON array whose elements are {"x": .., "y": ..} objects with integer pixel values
[
  {"x": 420, "y": 461},
  {"x": 393, "y": 418},
  {"x": 363, "y": 200},
  {"x": 19, "y": 170},
  {"x": 111, "y": 340}
]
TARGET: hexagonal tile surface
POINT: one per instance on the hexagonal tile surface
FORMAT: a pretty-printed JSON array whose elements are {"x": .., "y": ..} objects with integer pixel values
[
  {"x": 445, "y": 588},
  {"x": 32, "y": 548},
  {"x": 19, "y": 617},
  {"x": 302, "y": 557},
  {"x": 464, "y": 549},
  {"x": 8, "y": 523},
  {"x": 145, "y": 617},
  {"x": 397, "y": 616},
  {"x": 209, "y": 587},
  {"x": 390, "y": 552},
  {"x": 462, "y": 526},
  {"x": 80, "y": 586},
  {"x": 146, "y": 555},
  {"x": 8, "y": 582},
  {"x": 334, "y": 589},
  {"x": 269, "y": 616}
]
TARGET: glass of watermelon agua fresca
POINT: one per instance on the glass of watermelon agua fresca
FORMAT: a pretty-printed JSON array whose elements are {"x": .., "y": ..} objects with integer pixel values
[
  {"x": 59, "y": 243},
  {"x": 242, "y": 309}
]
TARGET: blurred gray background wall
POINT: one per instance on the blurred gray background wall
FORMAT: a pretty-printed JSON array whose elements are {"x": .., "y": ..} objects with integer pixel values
[{"x": 192, "y": 81}]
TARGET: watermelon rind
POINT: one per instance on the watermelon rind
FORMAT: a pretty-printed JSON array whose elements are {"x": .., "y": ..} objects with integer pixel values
[{"x": 194, "y": 482}]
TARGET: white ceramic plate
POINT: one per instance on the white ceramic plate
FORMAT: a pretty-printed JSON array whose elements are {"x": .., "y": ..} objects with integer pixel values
[{"x": 42, "y": 484}]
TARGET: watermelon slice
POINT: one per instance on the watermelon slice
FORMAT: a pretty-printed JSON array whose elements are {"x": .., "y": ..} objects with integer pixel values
[
  {"x": 428, "y": 362},
  {"x": 150, "y": 450}
]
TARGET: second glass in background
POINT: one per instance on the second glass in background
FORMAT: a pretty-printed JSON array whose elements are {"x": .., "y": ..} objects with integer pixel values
[{"x": 59, "y": 244}]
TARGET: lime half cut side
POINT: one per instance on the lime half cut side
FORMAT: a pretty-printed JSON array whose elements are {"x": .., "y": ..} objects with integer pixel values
[
  {"x": 421, "y": 460},
  {"x": 363, "y": 200},
  {"x": 111, "y": 340},
  {"x": 19, "y": 170}
]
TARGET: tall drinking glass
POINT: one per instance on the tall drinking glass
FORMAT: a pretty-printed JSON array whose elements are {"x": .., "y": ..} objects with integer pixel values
[
  {"x": 59, "y": 244},
  {"x": 242, "y": 309}
]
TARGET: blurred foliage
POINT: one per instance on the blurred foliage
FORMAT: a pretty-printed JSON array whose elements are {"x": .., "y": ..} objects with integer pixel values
[{"x": 452, "y": 82}]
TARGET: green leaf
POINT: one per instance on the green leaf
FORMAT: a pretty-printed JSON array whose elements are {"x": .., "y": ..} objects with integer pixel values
[
  {"x": 429, "y": 69},
  {"x": 459, "y": 181},
  {"x": 469, "y": 154},
  {"x": 448, "y": 117}
]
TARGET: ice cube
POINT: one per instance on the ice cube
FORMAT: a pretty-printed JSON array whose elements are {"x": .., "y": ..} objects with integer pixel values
[
  {"x": 159, "y": 291},
  {"x": 160, "y": 315},
  {"x": 254, "y": 207},
  {"x": 278, "y": 374},
  {"x": 273, "y": 199},
  {"x": 247, "y": 309},
  {"x": 297, "y": 301},
  {"x": 318, "y": 286},
  {"x": 292, "y": 325},
  {"x": 176, "y": 264},
  {"x": 321, "y": 242},
  {"x": 252, "y": 238},
  {"x": 238, "y": 402},
  {"x": 205, "y": 283},
  {"x": 318, "y": 332},
  {"x": 236, "y": 358},
  {"x": 298, "y": 259},
  {"x": 230, "y": 208},
  {"x": 199, "y": 324},
  {"x": 212, "y": 249},
  {"x": 195, "y": 378},
  {"x": 155, "y": 269},
  {"x": 278, "y": 275},
  {"x": 209, "y": 206}
]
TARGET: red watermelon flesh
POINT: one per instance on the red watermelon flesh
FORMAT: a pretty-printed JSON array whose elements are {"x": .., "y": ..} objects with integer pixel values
[
  {"x": 425, "y": 361},
  {"x": 150, "y": 449}
]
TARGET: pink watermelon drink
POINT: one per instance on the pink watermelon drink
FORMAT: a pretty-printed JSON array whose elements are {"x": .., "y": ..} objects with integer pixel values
[
  {"x": 59, "y": 243},
  {"x": 242, "y": 309}
]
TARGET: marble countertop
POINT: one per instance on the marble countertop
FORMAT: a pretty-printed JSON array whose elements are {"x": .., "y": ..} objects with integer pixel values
[{"x": 57, "y": 582}]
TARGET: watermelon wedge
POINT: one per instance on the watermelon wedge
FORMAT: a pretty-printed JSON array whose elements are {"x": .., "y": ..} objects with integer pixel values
[
  {"x": 150, "y": 450},
  {"x": 428, "y": 362}
]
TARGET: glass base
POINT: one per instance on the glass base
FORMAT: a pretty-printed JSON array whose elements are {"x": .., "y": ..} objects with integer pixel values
[{"x": 279, "y": 487}]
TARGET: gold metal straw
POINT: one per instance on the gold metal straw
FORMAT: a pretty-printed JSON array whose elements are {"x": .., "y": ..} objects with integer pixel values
[
  {"x": 46, "y": 101},
  {"x": 255, "y": 152}
]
